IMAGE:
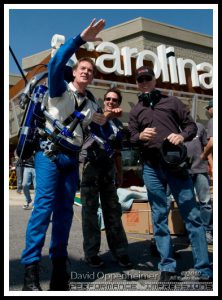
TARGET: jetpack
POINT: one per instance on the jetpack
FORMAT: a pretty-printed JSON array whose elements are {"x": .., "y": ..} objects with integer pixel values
[
  {"x": 33, "y": 119},
  {"x": 34, "y": 98}
]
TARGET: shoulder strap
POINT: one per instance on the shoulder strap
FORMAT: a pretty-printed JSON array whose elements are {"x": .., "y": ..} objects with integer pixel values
[
  {"x": 90, "y": 96},
  {"x": 70, "y": 118},
  {"x": 74, "y": 118},
  {"x": 78, "y": 117}
]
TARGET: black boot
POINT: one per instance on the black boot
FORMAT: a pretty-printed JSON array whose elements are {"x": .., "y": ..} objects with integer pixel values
[
  {"x": 31, "y": 279},
  {"x": 155, "y": 252},
  {"x": 60, "y": 277}
]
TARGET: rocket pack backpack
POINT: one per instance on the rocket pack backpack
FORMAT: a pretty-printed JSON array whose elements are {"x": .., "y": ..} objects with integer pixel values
[
  {"x": 33, "y": 118},
  {"x": 34, "y": 98}
]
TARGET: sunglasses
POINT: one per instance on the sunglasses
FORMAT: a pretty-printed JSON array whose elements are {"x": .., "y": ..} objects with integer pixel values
[
  {"x": 115, "y": 100},
  {"x": 143, "y": 79}
]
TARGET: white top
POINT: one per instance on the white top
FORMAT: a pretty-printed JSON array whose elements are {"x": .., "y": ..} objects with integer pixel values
[{"x": 62, "y": 107}]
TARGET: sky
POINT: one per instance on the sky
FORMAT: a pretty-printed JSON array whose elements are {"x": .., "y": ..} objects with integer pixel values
[{"x": 31, "y": 29}]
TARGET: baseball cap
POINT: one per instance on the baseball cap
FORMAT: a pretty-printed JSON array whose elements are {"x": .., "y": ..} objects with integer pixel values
[
  {"x": 144, "y": 71},
  {"x": 210, "y": 104}
]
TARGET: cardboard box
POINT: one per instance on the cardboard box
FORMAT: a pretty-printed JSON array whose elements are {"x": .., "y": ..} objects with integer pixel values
[
  {"x": 175, "y": 221},
  {"x": 139, "y": 219}
]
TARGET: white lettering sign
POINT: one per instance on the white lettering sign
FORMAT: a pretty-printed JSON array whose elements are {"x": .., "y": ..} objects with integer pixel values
[
  {"x": 165, "y": 63},
  {"x": 114, "y": 57}
]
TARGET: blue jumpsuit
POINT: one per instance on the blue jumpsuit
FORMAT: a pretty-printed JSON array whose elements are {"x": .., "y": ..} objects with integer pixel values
[{"x": 56, "y": 181}]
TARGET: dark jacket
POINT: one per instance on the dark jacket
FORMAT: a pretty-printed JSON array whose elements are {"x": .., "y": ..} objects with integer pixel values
[
  {"x": 168, "y": 115},
  {"x": 28, "y": 163}
]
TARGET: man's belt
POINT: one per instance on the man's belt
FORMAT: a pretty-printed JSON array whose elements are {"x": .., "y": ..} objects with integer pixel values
[{"x": 51, "y": 149}]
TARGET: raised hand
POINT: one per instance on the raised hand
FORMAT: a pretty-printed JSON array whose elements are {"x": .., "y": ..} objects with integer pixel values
[
  {"x": 113, "y": 113},
  {"x": 99, "y": 118},
  {"x": 89, "y": 34}
]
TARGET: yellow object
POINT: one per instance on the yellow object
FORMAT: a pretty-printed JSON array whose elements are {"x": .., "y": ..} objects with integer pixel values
[{"x": 12, "y": 180}]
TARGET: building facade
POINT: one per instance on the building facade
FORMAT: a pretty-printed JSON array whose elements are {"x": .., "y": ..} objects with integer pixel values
[{"x": 182, "y": 61}]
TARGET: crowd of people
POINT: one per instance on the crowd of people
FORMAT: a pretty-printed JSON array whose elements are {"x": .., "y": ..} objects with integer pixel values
[{"x": 94, "y": 149}]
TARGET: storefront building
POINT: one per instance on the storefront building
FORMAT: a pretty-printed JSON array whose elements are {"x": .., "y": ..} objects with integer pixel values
[{"x": 182, "y": 61}]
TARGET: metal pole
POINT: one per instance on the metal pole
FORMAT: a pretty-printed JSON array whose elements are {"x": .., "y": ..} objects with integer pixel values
[{"x": 20, "y": 69}]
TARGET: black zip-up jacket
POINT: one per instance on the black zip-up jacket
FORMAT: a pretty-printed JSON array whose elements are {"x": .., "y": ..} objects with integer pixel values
[
  {"x": 28, "y": 163},
  {"x": 168, "y": 115}
]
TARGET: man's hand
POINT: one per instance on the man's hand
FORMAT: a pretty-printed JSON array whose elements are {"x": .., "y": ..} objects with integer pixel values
[
  {"x": 99, "y": 118},
  {"x": 148, "y": 134},
  {"x": 175, "y": 139},
  {"x": 114, "y": 113},
  {"x": 89, "y": 34}
]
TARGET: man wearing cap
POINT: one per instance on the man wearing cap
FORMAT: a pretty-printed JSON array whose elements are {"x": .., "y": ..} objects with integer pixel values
[{"x": 152, "y": 120}]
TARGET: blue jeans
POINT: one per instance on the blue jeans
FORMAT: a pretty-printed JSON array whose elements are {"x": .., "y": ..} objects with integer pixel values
[
  {"x": 19, "y": 176},
  {"x": 28, "y": 178},
  {"x": 156, "y": 179},
  {"x": 56, "y": 185},
  {"x": 202, "y": 188}
]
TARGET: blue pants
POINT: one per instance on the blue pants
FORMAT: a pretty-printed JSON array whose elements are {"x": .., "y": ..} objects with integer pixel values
[
  {"x": 156, "y": 179},
  {"x": 28, "y": 178},
  {"x": 56, "y": 185},
  {"x": 19, "y": 176},
  {"x": 202, "y": 188}
]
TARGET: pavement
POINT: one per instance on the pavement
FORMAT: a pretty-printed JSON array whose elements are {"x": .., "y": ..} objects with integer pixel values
[{"x": 141, "y": 278}]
